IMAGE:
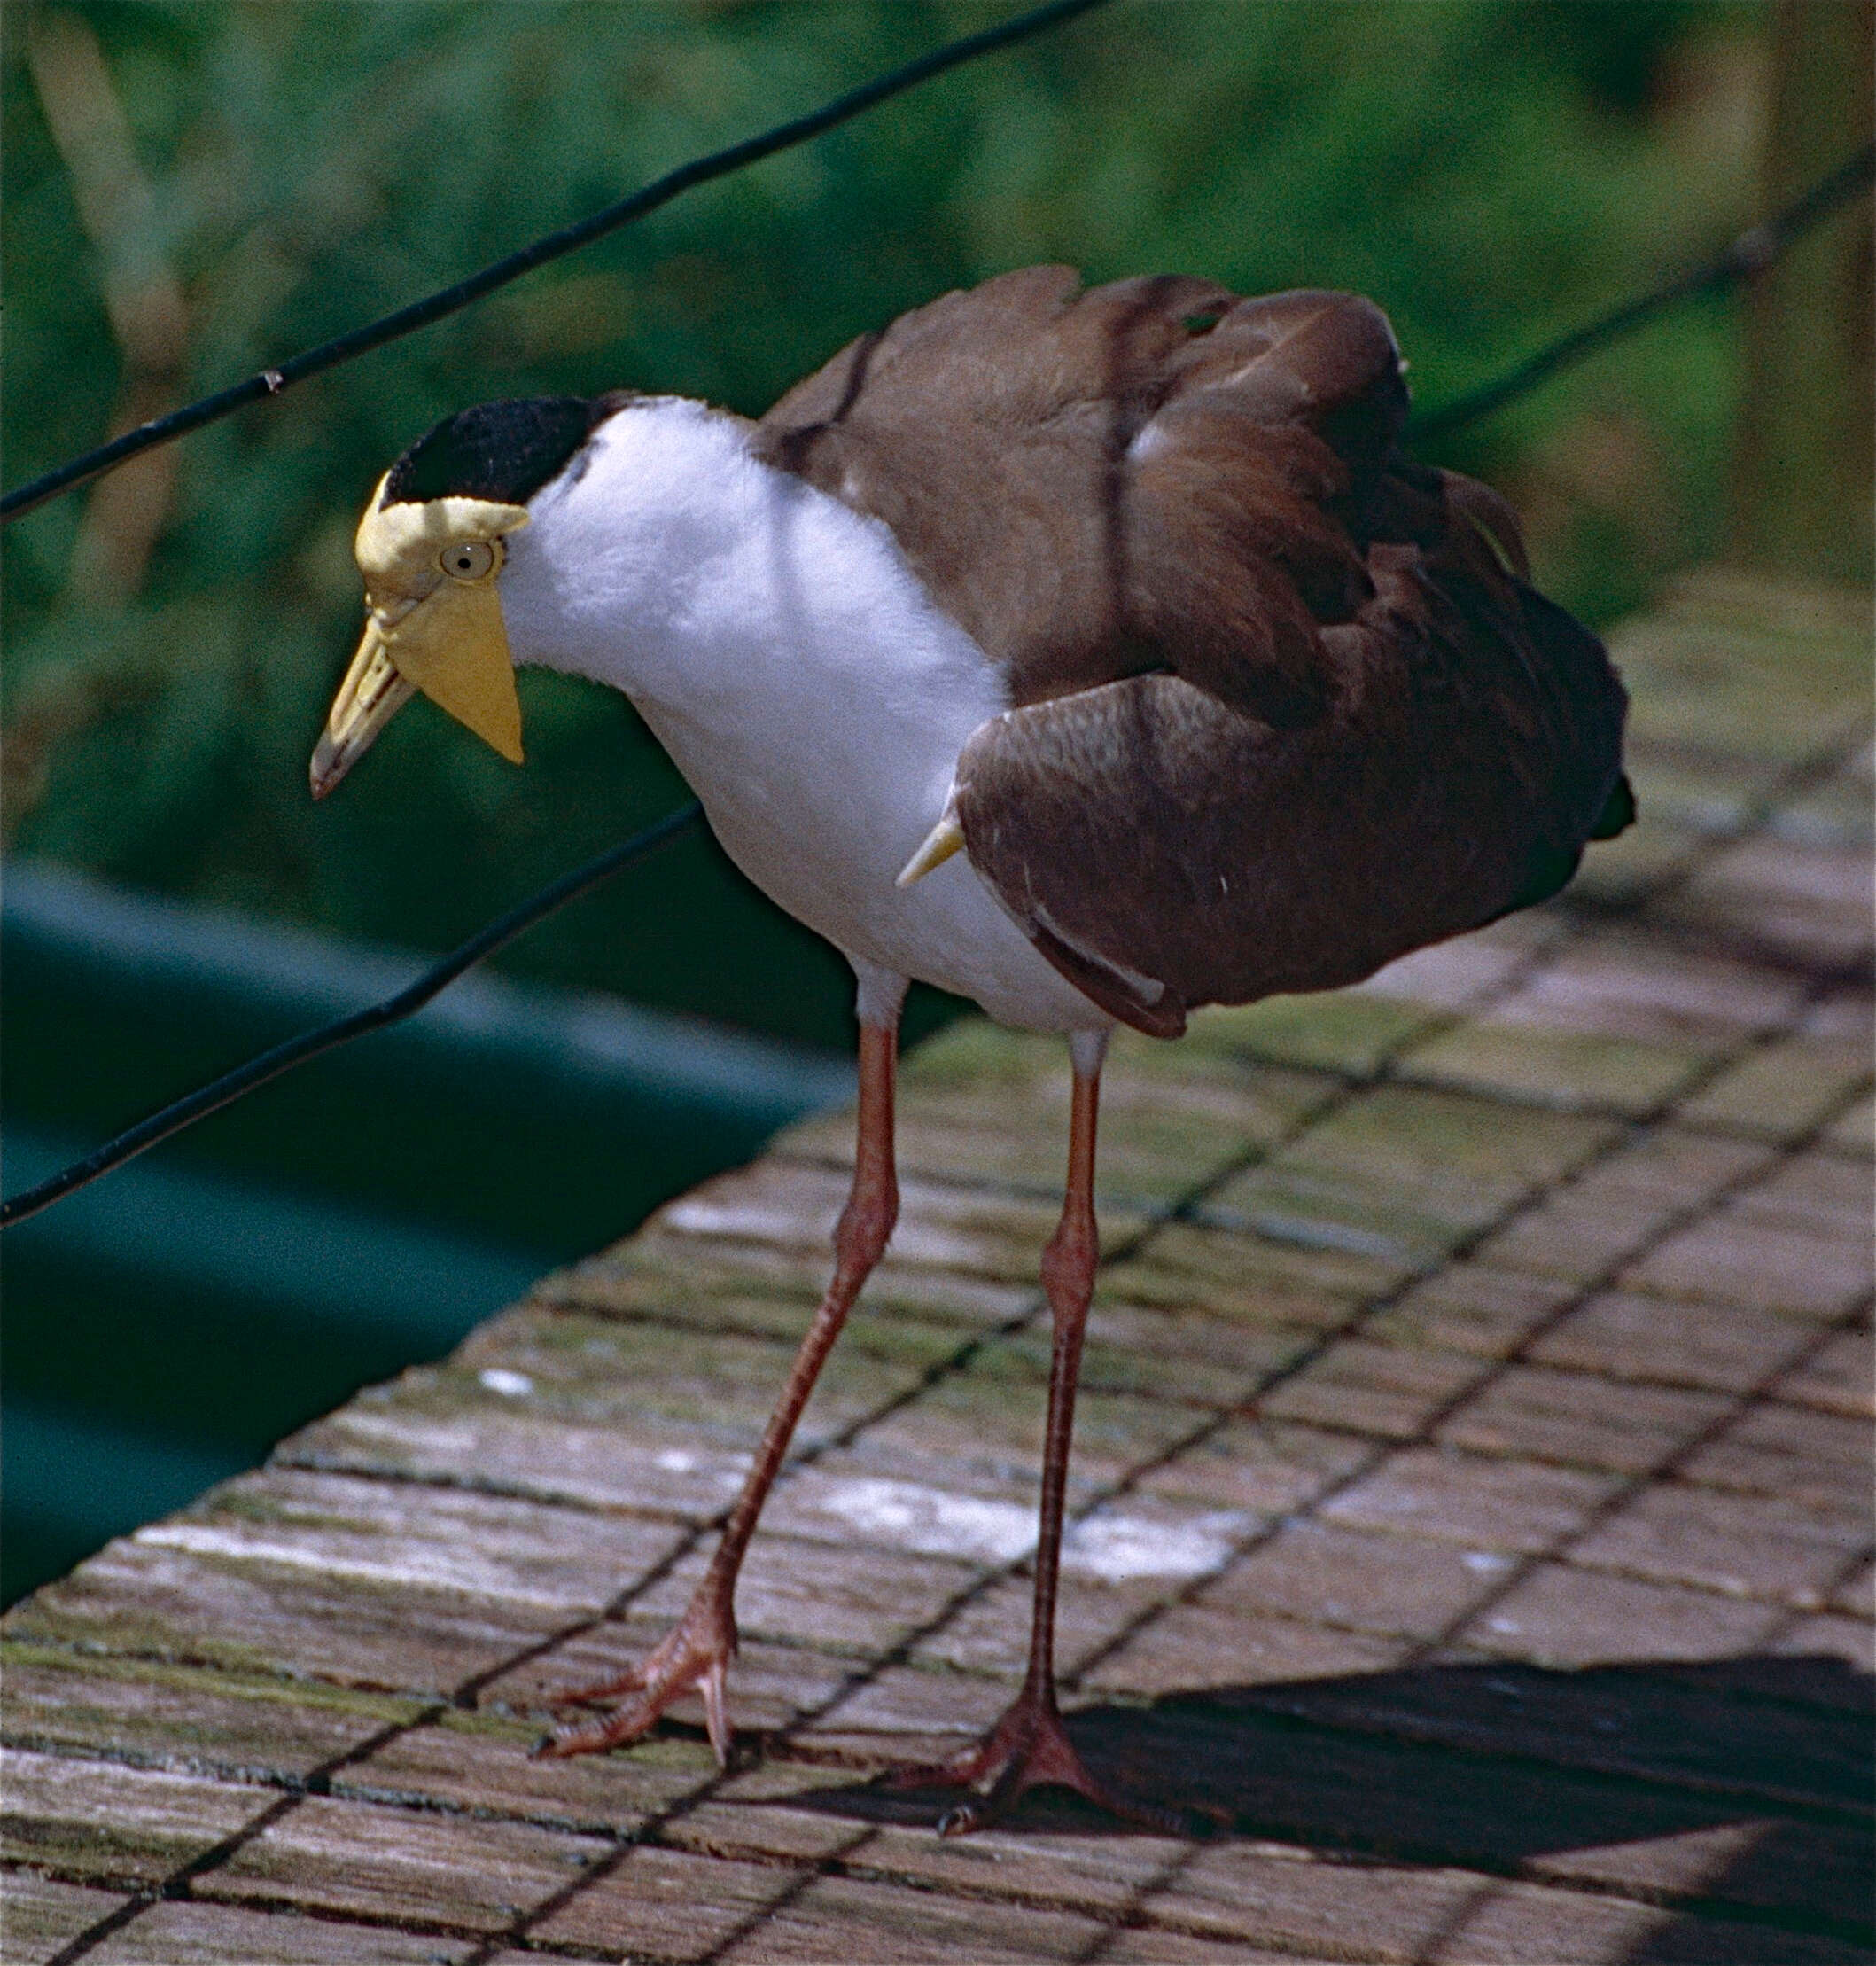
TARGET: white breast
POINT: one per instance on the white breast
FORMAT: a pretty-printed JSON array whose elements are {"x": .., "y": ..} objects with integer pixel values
[{"x": 794, "y": 667}]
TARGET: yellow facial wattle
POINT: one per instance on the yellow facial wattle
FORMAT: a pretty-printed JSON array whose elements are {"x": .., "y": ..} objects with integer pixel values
[{"x": 433, "y": 623}]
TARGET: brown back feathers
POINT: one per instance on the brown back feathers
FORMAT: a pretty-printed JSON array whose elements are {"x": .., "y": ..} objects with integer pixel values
[{"x": 1285, "y": 704}]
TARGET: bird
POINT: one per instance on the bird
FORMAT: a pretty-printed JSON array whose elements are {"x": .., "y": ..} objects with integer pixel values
[{"x": 1092, "y": 652}]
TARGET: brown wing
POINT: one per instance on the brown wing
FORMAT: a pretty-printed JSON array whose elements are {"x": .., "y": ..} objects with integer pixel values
[
  {"x": 1098, "y": 484},
  {"x": 1165, "y": 850},
  {"x": 1285, "y": 704}
]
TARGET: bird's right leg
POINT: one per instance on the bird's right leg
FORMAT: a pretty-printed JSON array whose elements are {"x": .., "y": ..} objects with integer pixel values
[{"x": 695, "y": 1655}]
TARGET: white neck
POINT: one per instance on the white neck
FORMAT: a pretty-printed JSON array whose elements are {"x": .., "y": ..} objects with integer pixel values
[
  {"x": 673, "y": 564},
  {"x": 793, "y": 665}
]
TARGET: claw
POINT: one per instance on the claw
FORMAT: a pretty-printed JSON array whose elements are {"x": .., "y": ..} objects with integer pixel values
[
  {"x": 693, "y": 1657},
  {"x": 1028, "y": 1748},
  {"x": 630, "y": 1681},
  {"x": 716, "y": 1716}
]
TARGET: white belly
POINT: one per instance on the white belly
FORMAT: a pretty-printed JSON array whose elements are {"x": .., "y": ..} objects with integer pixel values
[{"x": 827, "y": 843}]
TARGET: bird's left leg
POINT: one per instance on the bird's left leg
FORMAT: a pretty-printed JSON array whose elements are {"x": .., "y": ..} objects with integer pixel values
[
  {"x": 694, "y": 1656},
  {"x": 1029, "y": 1745}
]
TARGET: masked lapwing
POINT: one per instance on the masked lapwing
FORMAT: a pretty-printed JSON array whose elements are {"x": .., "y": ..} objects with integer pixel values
[{"x": 1095, "y": 655}]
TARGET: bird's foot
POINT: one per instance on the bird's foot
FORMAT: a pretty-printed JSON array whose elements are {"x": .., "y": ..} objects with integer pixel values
[
  {"x": 1028, "y": 1748},
  {"x": 692, "y": 1658}
]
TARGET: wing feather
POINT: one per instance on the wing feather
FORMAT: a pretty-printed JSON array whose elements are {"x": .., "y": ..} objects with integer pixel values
[{"x": 1284, "y": 704}]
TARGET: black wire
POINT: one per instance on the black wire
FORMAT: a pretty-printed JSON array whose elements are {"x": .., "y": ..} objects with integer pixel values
[
  {"x": 309, "y": 1044},
  {"x": 420, "y": 313},
  {"x": 1751, "y": 252}
]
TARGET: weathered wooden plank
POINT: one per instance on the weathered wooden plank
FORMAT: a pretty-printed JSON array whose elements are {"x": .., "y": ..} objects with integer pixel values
[
  {"x": 237, "y": 1727},
  {"x": 497, "y": 1435},
  {"x": 144, "y": 1600},
  {"x": 1262, "y": 1466},
  {"x": 1291, "y": 1898},
  {"x": 1202, "y": 1644},
  {"x": 894, "y": 1716},
  {"x": 481, "y": 1763},
  {"x": 223, "y": 1935},
  {"x": 1156, "y": 1946},
  {"x": 1630, "y": 1335},
  {"x": 1389, "y": 1391},
  {"x": 670, "y": 1905},
  {"x": 1561, "y": 1616},
  {"x": 1775, "y": 1449},
  {"x": 991, "y": 1633},
  {"x": 664, "y": 1277},
  {"x": 1392, "y": 1586},
  {"x": 1831, "y": 1658},
  {"x": 1806, "y": 902},
  {"x": 1471, "y": 1306},
  {"x": 1565, "y": 1823},
  {"x": 1380, "y": 1797},
  {"x": 1539, "y": 1411},
  {"x": 803, "y": 1815},
  {"x": 841, "y": 1917},
  {"x": 1311, "y": 1448},
  {"x": 377, "y": 1585},
  {"x": 1782, "y": 1090},
  {"x": 1759, "y": 1546},
  {"x": 589, "y": 1370},
  {"x": 1253, "y": 1279},
  {"x": 1740, "y": 1255},
  {"x": 1854, "y": 1130},
  {"x": 1481, "y": 1502},
  {"x": 985, "y": 1516},
  {"x": 1165, "y": 1351},
  {"x": 1619, "y": 1207},
  {"x": 1523, "y": 1925},
  {"x": 1403, "y": 1172},
  {"x": 1509, "y": 1050},
  {"x": 1265, "y": 1467},
  {"x": 990, "y": 1419},
  {"x": 816, "y": 1596},
  {"x": 39, "y": 1916},
  {"x": 1353, "y": 1030},
  {"x": 123, "y": 1827},
  {"x": 1840, "y": 1379},
  {"x": 1697, "y": 665},
  {"x": 454, "y": 1874}
]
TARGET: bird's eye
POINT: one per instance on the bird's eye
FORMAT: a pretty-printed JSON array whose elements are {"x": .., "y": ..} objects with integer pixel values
[{"x": 468, "y": 560}]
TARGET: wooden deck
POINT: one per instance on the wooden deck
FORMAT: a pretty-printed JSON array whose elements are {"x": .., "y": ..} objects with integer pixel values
[{"x": 1472, "y": 1493}]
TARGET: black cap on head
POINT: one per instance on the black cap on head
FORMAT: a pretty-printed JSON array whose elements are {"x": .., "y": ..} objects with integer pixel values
[{"x": 504, "y": 451}]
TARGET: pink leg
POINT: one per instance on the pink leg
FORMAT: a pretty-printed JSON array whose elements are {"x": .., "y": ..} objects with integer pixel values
[
  {"x": 696, "y": 1654},
  {"x": 1029, "y": 1745}
]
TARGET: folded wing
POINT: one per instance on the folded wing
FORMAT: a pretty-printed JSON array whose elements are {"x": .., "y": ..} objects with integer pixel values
[{"x": 1285, "y": 704}]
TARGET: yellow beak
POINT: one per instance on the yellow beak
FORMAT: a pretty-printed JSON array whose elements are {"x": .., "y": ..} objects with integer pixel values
[{"x": 369, "y": 697}]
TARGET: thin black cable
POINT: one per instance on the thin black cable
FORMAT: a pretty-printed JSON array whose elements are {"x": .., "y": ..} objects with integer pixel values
[
  {"x": 420, "y": 313},
  {"x": 309, "y": 1044},
  {"x": 1751, "y": 252}
]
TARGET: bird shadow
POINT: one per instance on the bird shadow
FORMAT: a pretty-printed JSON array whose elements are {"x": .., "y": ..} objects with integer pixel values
[{"x": 1505, "y": 1768}]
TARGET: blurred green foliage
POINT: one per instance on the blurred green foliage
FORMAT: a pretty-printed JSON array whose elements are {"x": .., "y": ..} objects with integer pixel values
[{"x": 1492, "y": 171}]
